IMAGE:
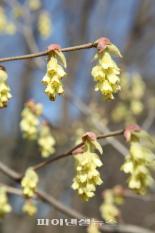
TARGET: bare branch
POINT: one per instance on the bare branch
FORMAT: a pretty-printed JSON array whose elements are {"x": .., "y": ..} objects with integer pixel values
[
  {"x": 9, "y": 172},
  {"x": 113, "y": 228},
  {"x": 46, "y": 52},
  {"x": 70, "y": 152},
  {"x": 102, "y": 128}
]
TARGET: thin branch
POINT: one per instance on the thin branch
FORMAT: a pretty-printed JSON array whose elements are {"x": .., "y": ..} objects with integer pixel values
[
  {"x": 129, "y": 194},
  {"x": 46, "y": 52},
  {"x": 9, "y": 172},
  {"x": 102, "y": 128},
  {"x": 59, "y": 206},
  {"x": 70, "y": 152},
  {"x": 116, "y": 228},
  {"x": 12, "y": 190}
]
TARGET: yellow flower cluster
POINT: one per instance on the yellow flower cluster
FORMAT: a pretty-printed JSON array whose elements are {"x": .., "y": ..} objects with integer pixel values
[
  {"x": 93, "y": 228},
  {"x": 106, "y": 72},
  {"x": 5, "y": 94},
  {"x": 29, "y": 208},
  {"x": 34, "y": 4},
  {"x": 44, "y": 24},
  {"x": 54, "y": 75},
  {"x": 29, "y": 182},
  {"x": 6, "y": 26},
  {"x": 140, "y": 162},
  {"x": 109, "y": 210},
  {"x": 86, "y": 163},
  {"x": 17, "y": 11},
  {"x": 131, "y": 98},
  {"x": 30, "y": 120},
  {"x": 46, "y": 141},
  {"x": 5, "y": 207},
  {"x": 33, "y": 129}
]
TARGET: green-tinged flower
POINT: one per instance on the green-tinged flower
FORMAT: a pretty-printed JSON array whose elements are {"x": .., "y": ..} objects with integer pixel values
[
  {"x": 131, "y": 102},
  {"x": 34, "y": 4},
  {"x": 139, "y": 163},
  {"x": 5, "y": 94},
  {"x": 44, "y": 24},
  {"x": 30, "y": 120},
  {"x": 3, "y": 20},
  {"x": 120, "y": 112},
  {"x": 109, "y": 210},
  {"x": 136, "y": 107},
  {"x": 10, "y": 28},
  {"x": 29, "y": 182},
  {"x": 5, "y": 25},
  {"x": 5, "y": 207},
  {"x": 53, "y": 78},
  {"x": 110, "y": 213},
  {"x": 46, "y": 141},
  {"x": 137, "y": 86},
  {"x": 29, "y": 208},
  {"x": 86, "y": 163},
  {"x": 106, "y": 72},
  {"x": 93, "y": 228}
]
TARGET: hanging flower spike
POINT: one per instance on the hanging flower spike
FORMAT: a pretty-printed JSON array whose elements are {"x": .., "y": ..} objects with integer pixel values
[
  {"x": 44, "y": 24},
  {"x": 93, "y": 227},
  {"x": 46, "y": 141},
  {"x": 34, "y": 4},
  {"x": 55, "y": 72},
  {"x": 132, "y": 98},
  {"x": 29, "y": 183},
  {"x": 5, "y": 94},
  {"x": 30, "y": 120},
  {"x": 86, "y": 163},
  {"x": 29, "y": 208},
  {"x": 140, "y": 160},
  {"x": 3, "y": 20},
  {"x": 5, "y": 207},
  {"x": 109, "y": 210},
  {"x": 106, "y": 72},
  {"x": 6, "y": 26}
]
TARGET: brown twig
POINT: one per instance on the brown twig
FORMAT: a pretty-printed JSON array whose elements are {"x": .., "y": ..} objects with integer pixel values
[
  {"x": 9, "y": 172},
  {"x": 119, "y": 228},
  {"x": 70, "y": 152},
  {"x": 18, "y": 177},
  {"x": 46, "y": 52}
]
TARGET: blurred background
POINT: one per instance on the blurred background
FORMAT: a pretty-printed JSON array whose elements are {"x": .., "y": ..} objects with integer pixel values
[{"x": 31, "y": 26}]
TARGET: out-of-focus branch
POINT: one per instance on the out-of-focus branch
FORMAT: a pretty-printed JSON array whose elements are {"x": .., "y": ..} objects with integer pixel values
[
  {"x": 102, "y": 128},
  {"x": 129, "y": 194},
  {"x": 149, "y": 119},
  {"x": 9, "y": 172},
  {"x": 12, "y": 190},
  {"x": 46, "y": 52},
  {"x": 113, "y": 228}
]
